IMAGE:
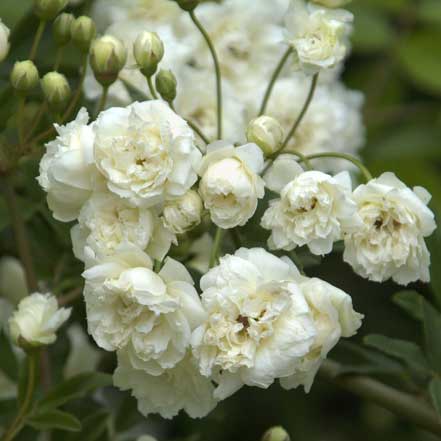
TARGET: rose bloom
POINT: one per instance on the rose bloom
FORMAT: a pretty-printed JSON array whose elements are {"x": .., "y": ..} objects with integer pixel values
[
  {"x": 314, "y": 209},
  {"x": 390, "y": 243},
  {"x": 146, "y": 152},
  {"x": 108, "y": 222},
  {"x": 4, "y": 41},
  {"x": 150, "y": 315},
  {"x": 318, "y": 35},
  {"x": 37, "y": 320},
  {"x": 67, "y": 171},
  {"x": 230, "y": 184}
]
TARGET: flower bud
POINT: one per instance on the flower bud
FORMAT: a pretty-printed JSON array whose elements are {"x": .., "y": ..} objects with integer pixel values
[
  {"x": 61, "y": 28},
  {"x": 48, "y": 9},
  {"x": 37, "y": 320},
  {"x": 24, "y": 76},
  {"x": 4, "y": 41},
  {"x": 83, "y": 31},
  {"x": 166, "y": 85},
  {"x": 187, "y": 5},
  {"x": 331, "y": 3},
  {"x": 56, "y": 90},
  {"x": 184, "y": 213},
  {"x": 148, "y": 51},
  {"x": 12, "y": 280},
  {"x": 277, "y": 433},
  {"x": 107, "y": 57},
  {"x": 267, "y": 133}
]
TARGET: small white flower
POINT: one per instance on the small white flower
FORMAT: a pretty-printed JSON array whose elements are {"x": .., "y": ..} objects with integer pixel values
[
  {"x": 314, "y": 209},
  {"x": 184, "y": 213},
  {"x": 67, "y": 171},
  {"x": 259, "y": 324},
  {"x": 107, "y": 222},
  {"x": 318, "y": 35},
  {"x": 334, "y": 317},
  {"x": 151, "y": 315},
  {"x": 179, "y": 388},
  {"x": 37, "y": 320},
  {"x": 390, "y": 243},
  {"x": 4, "y": 41},
  {"x": 230, "y": 184},
  {"x": 267, "y": 133},
  {"x": 146, "y": 153}
]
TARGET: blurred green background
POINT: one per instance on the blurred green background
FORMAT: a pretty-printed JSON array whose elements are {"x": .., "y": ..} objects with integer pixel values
[{"x": 396, "y": 62}]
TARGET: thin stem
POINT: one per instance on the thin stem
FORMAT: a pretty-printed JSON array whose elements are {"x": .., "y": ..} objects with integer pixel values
[
  {"x": 296, "y": 259},
  {"x": 19, "y": 227},
  {"x": 103, "y": 100},
  {"x": 37, "y": 119},
  {"x": 217, "y": 69},
  {"x": 363, "y": 169},
  {"x": 400, "y": 403},
  {"x": 58, "y": 58},
  {"x": 37, "y": 39},
  {"x": 273, "y": 79},
  {"x": 20, "y": 118},
  {"x": 152, "y": 88},
  {"x": 216, "y": 245},
  {"x": 17, "y": 424},
  {"x": 70, "y": 297},
  {"x": 302, "y": 112}
]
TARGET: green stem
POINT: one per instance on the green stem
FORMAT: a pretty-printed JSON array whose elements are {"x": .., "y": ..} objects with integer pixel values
[
  {"x": 273, "y": 79},
  {"x": 193, "y": 126},
  {"x": 37, "y": 39},
  {"x": 17, "y": 424},
  {"x": 400, "y": 403},
  {"x": 296, "y": 259},
  {"x": 20, "y": 119},
  {"x": 103, "y": 100},
  {"x": 58, "y": 58},
  {"x": 363, "y": 169},
  {"x": 217, "y": 69},
  {"x": 216, "y": 246},
  {"x": 37, "y": 119},
  {"x": 19, "y": 227},
  {"x": 152, "y": 88}
]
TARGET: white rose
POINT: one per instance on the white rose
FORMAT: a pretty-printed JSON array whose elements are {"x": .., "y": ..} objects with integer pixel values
[
  {"x": 318, "y": 35},
  {"x": 146, "y": 152},
  {"x": 4, "y": 41},
  {"x": 151, "y": 315},
  {"x": 179, "y": 388},
  {"x": 184, "y": 213},
  {"x": 259, "y": 324},
  {"x": 67, "y": 171},
  {"x": 107, "y": 222},
  {"x": 314, "y": 209},
  {"x": 37, "y": 320},
  {"x": 334, "y": 317},
  {"x": 230, "y": 184},
  {"x": 390, "y": 243}
]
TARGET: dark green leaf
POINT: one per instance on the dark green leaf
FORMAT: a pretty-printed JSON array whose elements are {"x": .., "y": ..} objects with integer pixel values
[
  {"x": 54, "y": 419},
  {"x": 8, "y": 361},
  {"x": 92, "y": 427},
  {"x": 435, "y": 394},
  {"x": 411, "y": 302},
  {"x": 432, "y": 332},
  {"x": 74, "y": 388}
]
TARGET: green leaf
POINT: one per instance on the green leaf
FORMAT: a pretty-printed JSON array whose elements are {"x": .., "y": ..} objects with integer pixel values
[
  {"x": 8, "y": 361},
  {"x": 411, "y": 302},
  {"x": 407, "y": 351},
  {"x": 432, "y": 332},
  {"x": 54, "y": 419},
  {"x": 416, "y": 55},
  {"x": 435, "y": 394},
  {"x": 92, "y": 427},
  {"x": 74, "y": 388}
]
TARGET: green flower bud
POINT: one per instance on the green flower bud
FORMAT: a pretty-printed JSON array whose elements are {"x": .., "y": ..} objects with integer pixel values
[
  {"x": 107, "y": 57},
  {"x": 24, "y": 76},
  {"x": 148, "y": 51},
  {"x": 83, "y": 31},
  {"x": 61, "y": 28},
  {"x": 48, "y": 9},
  {"x": 277, "y": 433},
  {"x": 332, "y": 3},
  {"x": 56, "y": 90},
  {"x": 267, "y": 133},
  {"x": 166, "y": 85},
  {"x": 187, "y": 5}
]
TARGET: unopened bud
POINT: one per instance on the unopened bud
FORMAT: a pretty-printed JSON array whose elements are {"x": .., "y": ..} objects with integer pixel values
[
  {"x": 331, "y": 3},
  {"x": 187, "y": 5},
  {"x": 267, "y": 133},
  {"x": 83, "y": 31},
  {"x": 48, "y": 9},
  {"x": 277, "y": 433},
  {"x": 24, "y": 76},
  {"x": 107, "y": 58},
  {"x": 56, "y": 90},
  {"x": 61, "y": 28},
  {"x": 148, "y": 51},
  {"x": 166, "y": 85},
  {"x": 4, "y": 41}
]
